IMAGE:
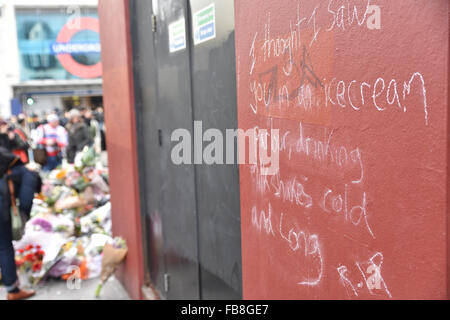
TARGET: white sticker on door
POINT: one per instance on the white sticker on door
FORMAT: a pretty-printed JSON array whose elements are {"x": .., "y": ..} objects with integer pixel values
[
  {"x": 177, "y": 35},
  {"x": 204, "y": 24}
]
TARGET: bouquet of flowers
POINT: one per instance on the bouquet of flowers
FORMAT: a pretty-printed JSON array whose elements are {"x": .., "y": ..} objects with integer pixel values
[
  {"x": 41, "y": 224},
  {"x": 85, "y": 158},
  {"x": 71, "y": 177},
  {"x": 51, "y": 194},
  {"x": 76, "y": 180},
  {"x": 29, "y": 260},
  {"x": 88, "y": 158},
  {"x": 97, "y": 221},
  {"x": 81, "y": 183},
  {"x": 113, "y": 255}
]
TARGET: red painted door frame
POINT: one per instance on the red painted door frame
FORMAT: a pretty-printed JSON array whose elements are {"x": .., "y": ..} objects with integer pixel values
[{"x": 118, "y": 97}]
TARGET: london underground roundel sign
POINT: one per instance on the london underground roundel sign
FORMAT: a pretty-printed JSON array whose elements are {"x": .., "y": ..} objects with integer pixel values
[{"x": 66, "y": 59}]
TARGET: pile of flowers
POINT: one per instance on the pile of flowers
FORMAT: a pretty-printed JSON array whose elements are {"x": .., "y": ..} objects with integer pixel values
[{"x": 70, "y": 223}]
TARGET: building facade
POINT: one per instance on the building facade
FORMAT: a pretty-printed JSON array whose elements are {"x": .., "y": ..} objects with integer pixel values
[{"x": 49, "y": 56}]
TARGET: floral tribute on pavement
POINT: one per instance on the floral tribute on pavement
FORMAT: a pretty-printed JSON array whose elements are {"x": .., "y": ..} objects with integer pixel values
[{"x": 70, "y": 226}]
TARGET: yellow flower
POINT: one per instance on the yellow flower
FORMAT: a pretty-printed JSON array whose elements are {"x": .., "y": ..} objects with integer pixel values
[
  {"x": 68, "y": 246},
  {"x": 61, "y": 174}
]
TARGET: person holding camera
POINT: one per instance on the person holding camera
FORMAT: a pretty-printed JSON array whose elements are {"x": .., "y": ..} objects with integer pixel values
[{"x": 9, "y": 139}]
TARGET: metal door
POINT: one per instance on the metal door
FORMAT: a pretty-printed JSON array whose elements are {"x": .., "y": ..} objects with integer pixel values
[
  {"x": 191, "y": 213},
  {"x": 214, "y": 103}
]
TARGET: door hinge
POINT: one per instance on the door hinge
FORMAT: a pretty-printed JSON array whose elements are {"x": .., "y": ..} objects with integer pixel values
[
  {"x": 166, "y": 282},
  {"x": 153, "y": 23}
]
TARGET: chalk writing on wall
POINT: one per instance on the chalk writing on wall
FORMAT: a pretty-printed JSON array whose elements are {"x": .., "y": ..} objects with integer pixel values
[{"x": 290, "y": 75}]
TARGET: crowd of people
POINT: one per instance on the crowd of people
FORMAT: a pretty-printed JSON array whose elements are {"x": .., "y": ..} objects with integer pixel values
[
  {"x": 59, "y": 135},
  {"x": 62, "y": 135}
]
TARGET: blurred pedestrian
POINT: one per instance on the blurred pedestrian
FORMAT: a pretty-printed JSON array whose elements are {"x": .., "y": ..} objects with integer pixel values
[
  {"x": 8, "y": 138},
  {"x": 79, "y": 135},
  {"x": 83, "y": 111},
  {"x": 22, "y": 125},
  {"x": 35, "y": 121},
  {"x": 54, "y": 138},
  {"x": 99, "y": 115},
  {"x": 16, "y": 181},
  {"x": 64, "y": 119},
  {"x": 23, "y": 133}
]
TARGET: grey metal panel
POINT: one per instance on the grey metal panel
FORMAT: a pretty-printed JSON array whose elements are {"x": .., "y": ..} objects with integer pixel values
[
  {"x": 214, "y": 103},
  {"x": 164, "y": 86},
  {"x": 177, "y": 189}
]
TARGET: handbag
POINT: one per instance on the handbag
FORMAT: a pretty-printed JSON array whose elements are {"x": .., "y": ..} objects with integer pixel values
[
  {"x": 40, "y": 153},
  {"x": 18, "y": 219}
]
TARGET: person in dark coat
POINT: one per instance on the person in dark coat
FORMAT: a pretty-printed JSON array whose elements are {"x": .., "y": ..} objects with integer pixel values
[
  {"x": 25, "y": 184},
  {"x": 22, "y": 132},
  {"x": 79, "y": 135},
  {"x": 35, "y": 122},
  {"x": 9, "y": 139}
]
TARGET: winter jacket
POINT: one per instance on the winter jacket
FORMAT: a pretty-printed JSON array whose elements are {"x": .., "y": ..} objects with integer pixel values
[
  {"x": 6, "y": 160},
  {"x": 22, "y": 153},
  {"x": 9, "y": 144},
  {"x": 26, "y": 183},
  {"x": 79, "y": 137}
]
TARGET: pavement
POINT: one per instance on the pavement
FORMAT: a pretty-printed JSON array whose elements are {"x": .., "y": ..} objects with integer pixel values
[{"x": 60, "y": 290}]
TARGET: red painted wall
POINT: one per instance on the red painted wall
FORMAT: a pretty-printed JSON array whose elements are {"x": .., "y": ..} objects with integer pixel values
[
  {"x": 118, "y": 97},
  {"x": 358, "y": 208}
]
